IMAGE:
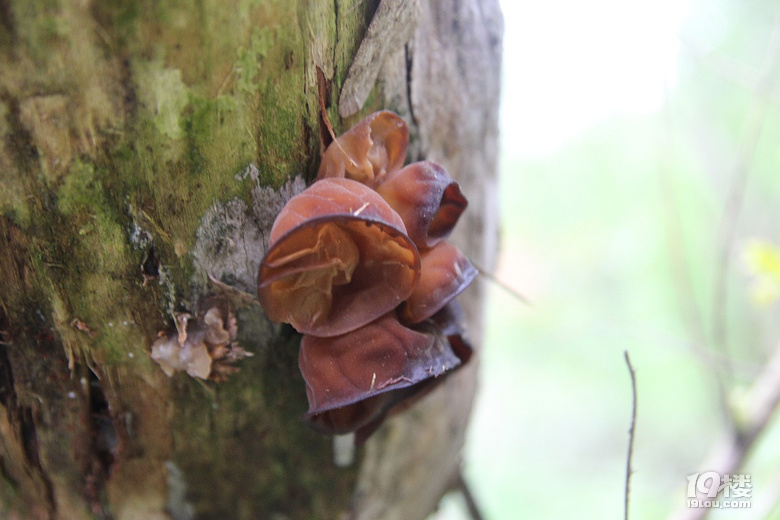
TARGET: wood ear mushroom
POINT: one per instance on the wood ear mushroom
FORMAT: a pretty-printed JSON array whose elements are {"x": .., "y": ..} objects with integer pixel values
[
  {"x": 367, "y": 151},
  {"x": 427, "y": 199},
  {"x": 339, "y": 258},
  {"x": 358, "y": 263},
  {"x": 446, "y": 272},
  {"x": 383, "y": 356}
]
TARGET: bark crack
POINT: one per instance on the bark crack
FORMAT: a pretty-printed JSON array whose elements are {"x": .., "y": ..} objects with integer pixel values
[
  {"x": 6, "y": 389},
  {"x": 30, "y": 445},
  {"x": 335, "y": 32},
  {"x": 22, "y": 419},
  {"x": 104, "y": 442},
  {"x": 409, "y": 62}
]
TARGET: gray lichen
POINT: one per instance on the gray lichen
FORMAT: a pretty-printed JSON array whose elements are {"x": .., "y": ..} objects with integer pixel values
[{"x": 233, "y": 237}]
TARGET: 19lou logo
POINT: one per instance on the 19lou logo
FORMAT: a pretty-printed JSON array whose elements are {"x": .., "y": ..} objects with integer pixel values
[{"x": 712, "y": 490}]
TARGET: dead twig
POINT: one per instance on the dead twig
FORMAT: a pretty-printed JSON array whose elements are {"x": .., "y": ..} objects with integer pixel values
[
  {"x": 631, "y": 435},
  {"x": 512, "y": 291}
]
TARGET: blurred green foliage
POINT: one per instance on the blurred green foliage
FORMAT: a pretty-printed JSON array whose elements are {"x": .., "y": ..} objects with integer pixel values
[{"x": 649, "y": 234}]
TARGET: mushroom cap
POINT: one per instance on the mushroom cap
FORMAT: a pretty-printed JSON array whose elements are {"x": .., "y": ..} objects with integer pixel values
[
  {"x": 445, "y": 272},
  {"x": 367, "y": 151},
  {"x": 353, "y": 379},
  {"x": 427, "y": 198},
  {"x": 339, "y": 257}
]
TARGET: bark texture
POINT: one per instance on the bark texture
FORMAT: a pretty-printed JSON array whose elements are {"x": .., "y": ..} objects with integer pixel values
[{"x": 145, "y": 150}]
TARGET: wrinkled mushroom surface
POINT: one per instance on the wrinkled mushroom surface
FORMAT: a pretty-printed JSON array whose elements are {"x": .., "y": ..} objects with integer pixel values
[
  {"x": 346, "y": 375},
  {"x": 367, "y": 151},
  {"x": 339, "y": 257},
  {"x": 428, "y": 200},
  {"x": 361, "y": 248},
  {"x": 445, "y": 273}
]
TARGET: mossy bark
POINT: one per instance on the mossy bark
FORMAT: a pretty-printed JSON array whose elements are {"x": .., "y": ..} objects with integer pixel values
[{"x": 143, "y": 148}]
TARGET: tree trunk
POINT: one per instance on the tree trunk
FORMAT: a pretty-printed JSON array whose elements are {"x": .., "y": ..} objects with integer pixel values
[{"x": 146, "y": 148}]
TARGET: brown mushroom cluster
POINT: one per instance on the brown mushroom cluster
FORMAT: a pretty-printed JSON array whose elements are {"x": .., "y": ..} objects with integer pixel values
[{"x": 358, "y": 264}]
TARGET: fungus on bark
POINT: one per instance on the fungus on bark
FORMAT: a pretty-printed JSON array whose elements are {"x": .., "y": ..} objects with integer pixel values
[
  {"x": 353, "y": 380},
  {"x": 361, "y": 247},
  {"x": 339, "y": 257},
  {"x": 367, "y": 151},
  {"x": 428, "y": 200},
  {"x": 445, "y": 273}
]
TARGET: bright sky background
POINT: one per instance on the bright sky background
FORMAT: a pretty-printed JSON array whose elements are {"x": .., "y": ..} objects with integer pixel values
[{"x": 569, "y": 64}]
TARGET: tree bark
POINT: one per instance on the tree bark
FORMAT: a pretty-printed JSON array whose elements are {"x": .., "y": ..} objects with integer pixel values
[{"x": 146, "y": 149}]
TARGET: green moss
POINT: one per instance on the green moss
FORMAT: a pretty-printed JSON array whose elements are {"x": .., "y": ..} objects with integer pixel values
[
  {"x": 280, "y": 129},
  {"x": 253, "y": 116},
  {"x": 40, "y": 26},
  {"x": 120, "y": 342},
  {"x": 163, "y": 97},
  {"x": 280, "y": 136},
  {"x": 79, "y": 189},
  {"x": 112, "y": 240},
  {"x": 170, "y": 98},
  {"x": 250, "y": 58},
  {"x": 89, "y": 220},
  {"x": 220, "y": 144},
  {"x": 87, "y": 266}
]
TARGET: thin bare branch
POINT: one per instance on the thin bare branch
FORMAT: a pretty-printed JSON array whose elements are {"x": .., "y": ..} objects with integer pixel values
[
  {"x": 512, "y": 291},
  {"x": 631, "y": 435}
]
